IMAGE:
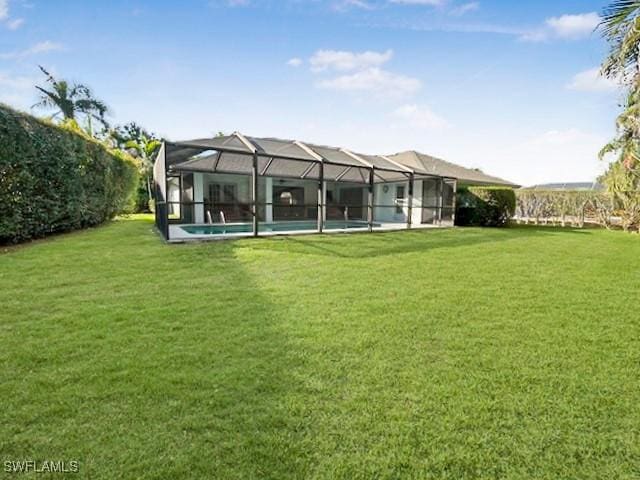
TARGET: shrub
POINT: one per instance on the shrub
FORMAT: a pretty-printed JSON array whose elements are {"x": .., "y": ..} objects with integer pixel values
[
  {"x": 485, "y": 206},
  {"x": 55, "y": 179}
]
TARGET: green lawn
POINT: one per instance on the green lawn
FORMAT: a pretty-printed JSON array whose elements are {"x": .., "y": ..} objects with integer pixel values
[{"x": 461, "y": 353}]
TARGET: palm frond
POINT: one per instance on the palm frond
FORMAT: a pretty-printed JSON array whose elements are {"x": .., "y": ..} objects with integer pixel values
[
  {"x": 620, "y": 26},
  {"x": 50, "y": 78}
]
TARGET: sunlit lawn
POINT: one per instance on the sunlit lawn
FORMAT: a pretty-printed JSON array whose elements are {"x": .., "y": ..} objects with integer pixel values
[{"x": 460, "y": 353}]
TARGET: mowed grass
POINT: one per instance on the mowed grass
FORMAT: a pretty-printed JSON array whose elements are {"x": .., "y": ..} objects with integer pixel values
[{"x": 458, "y": 354}]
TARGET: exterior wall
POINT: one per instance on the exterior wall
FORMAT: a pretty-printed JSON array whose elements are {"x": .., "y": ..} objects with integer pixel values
[
  {"x": 243, "y": 197},
  {"x": 385, "y": 210},
  {"x": 266, "y": 187},
  {"x": 416, "y": 212},
  {"x": 198, "y": 197},
  {"x": 242, "y": 182}
]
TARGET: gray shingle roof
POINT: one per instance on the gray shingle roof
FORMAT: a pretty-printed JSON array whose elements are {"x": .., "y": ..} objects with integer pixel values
[
  {"x": 237, "y": 147},
  {"x": 435, "y": 166}
]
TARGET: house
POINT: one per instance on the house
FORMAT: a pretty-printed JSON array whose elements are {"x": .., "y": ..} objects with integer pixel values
[{"x": 205, "y": 189}]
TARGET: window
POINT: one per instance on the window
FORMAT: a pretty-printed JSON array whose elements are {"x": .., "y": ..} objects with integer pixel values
[
  {"x": 174, "y": 188},
  {"x": 214, "y": 193},
  {"x": 229, "y": 193},
  {"x": 221, "y": 193},
  {"x": 399, "y": 198}
]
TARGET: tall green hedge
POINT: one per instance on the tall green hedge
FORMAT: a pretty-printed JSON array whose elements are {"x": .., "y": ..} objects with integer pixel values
[
  {"x": 53, "y": 179},
  {"x": 485, "y": 206}
]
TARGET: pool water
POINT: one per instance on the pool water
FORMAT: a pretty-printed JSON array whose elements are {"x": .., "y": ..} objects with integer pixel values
[{"x": 273, "y": 227}]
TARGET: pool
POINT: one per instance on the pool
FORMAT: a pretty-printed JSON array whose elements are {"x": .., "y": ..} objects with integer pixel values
[{"x": 290, "y": 226}]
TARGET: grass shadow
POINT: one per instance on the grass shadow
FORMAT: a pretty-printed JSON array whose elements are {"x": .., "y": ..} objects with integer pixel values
[{"x": 161, "y": 374}]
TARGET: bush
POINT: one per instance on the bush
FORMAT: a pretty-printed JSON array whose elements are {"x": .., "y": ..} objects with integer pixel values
[
  {"x": 485, "y": 206},
  {"x": 54, "y": 179}
]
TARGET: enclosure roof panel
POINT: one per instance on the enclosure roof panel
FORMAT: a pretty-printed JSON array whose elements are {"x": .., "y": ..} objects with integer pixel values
[
  {"x": 206, "y": 163},
  {"x": 404, "y": 163},
  {"x": 335, "y": 155},
  {"x": 379, "y": 161},
  {"x": 232, "y": 142},
  {"x": 282, "y": 148}
]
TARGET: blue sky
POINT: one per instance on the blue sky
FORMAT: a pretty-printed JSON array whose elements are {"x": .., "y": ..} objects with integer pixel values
[{"x": 509, "y": 87}]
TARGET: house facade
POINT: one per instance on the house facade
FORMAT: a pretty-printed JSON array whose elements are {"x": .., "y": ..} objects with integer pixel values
[{"x": 236, "y": 186}]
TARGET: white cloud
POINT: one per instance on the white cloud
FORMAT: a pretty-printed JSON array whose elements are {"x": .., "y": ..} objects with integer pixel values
[
  {"x": 365, "y": 73},
  {"x": 4, "y": 9},
  {"x": 41, "y": 47},
  {"x": 15, "y": 23},
  {"x": 374, "y": 80},
  {"x": 345, "y": 61},
  {"x": 229, "y": 3},
  {"x": 343, "y": 5},
  {"x": 465, "y": 8},
  {"x": 294, "y": 62},
  {"x": 11, "y": 24},
  {"x": 534, "y": 36},
  {"x": 420, "y": 117},
  {"x": 592, "y": 81},
  {"x": 574, "y": 26},
  {"x": 568, "y": 27},
  {"x": 433, "y": 3}
]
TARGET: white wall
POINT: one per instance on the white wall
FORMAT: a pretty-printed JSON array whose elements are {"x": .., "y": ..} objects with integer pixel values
[
  {"x": 416, "y": 213},
  {"x": 198, "y": 196},
  {"x": 387, "y": 212},
  {"x": 242, "y": 182}
]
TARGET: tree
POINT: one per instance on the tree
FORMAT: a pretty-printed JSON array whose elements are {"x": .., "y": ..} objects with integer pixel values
[
  {"x": 142, "y": 145},
  {"x": 621, "y": 28},
  {"x": 71, "y": 100}
]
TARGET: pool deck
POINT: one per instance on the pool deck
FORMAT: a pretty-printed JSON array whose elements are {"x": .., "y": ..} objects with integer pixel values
[{"x": 178, "y": 235}]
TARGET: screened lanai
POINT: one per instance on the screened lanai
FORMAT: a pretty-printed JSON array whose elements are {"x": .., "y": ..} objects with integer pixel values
[{"x": 232, "y": 186}]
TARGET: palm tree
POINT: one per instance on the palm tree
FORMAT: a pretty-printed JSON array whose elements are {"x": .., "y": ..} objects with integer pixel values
[
  {"x": 620, "y": 26},
  {"x": 142, "y": 145},
  {"x": 627, "y": 140},
  {"x": 69, "y": 100}
]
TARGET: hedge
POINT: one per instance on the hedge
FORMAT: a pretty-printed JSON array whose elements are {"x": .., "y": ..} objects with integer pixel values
[
  {"x": 53, "y": 179},
  {"x": 485, "y": 206}
]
